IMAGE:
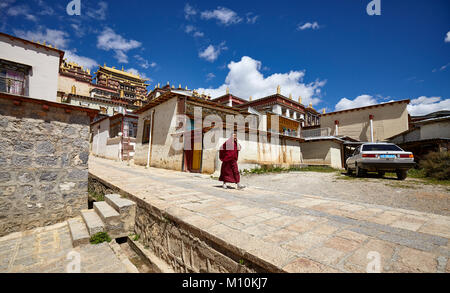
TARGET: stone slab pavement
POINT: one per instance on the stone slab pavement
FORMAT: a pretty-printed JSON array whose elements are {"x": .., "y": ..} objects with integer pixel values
[
  {"x": 295, "y": 232},
  {"x": 49, "y": 250}
]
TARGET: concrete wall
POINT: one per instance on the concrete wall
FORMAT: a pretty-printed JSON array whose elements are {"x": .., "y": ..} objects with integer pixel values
[
  {"x": 43, "y": 165},
  {"x": 254, "y": 153},
  {"x": 113, "y": 148},
  {"x": 100, "y": 132},
  {"x": 435, "y": 130},
  {"x": 43, "y": 77},
  {"x": 389, "y": 120},
  {"x": 324, "y": 152},
  {"x": 162, "y": 153},
  {"x": 65, "y": 84}
]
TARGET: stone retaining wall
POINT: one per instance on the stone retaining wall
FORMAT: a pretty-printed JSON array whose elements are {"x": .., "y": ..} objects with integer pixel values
[
  {"x": 185, "y": 248},
  {"x": 44, "y": 151}
]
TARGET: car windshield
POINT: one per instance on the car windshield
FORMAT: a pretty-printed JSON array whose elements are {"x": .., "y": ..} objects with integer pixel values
[{"x": 381, "y": 147}]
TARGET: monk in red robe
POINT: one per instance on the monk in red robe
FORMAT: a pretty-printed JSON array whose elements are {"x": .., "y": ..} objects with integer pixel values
[{"x": 229, "y": 155}]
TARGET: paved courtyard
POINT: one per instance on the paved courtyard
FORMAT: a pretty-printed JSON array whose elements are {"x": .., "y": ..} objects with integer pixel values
[
  {"x": 294, "y": 231},
  {"x": 50, "y": 250}
]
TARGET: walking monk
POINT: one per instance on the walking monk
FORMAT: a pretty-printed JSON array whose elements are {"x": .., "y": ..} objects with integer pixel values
[{"x": 229, "y": 155}]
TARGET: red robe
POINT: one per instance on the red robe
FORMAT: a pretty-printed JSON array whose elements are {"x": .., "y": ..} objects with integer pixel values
[{"x": 229, "y": 155}]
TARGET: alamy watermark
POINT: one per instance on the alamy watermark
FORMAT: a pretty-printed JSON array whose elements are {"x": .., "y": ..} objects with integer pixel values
[
  {"x": 74, "y": 7},
  {"x": 374, "y": 7}
]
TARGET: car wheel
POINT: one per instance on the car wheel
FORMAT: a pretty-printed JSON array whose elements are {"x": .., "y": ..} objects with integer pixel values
[
  {"x": 359, "y": 172},
  {"x": 349, "y": 171},
  {"x": 402, "y": 174},
  {"x": 381, "y": 174}
]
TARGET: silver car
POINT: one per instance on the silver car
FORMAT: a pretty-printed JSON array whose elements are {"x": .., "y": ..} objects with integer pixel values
[{"x": 381, "y": 158}]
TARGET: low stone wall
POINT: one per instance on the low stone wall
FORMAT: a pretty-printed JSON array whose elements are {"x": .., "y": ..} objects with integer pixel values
[
  {"x": 185, "y": 248},
  {"x": 44, "y": 151}
]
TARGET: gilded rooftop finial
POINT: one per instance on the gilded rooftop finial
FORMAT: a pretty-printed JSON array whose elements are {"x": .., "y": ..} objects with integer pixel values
[
  {"x": 310, "y": 105},
  {"x": 228, "y": 90},
  {"x": 278, "y": 89},
  {"x": 186, "y": 88},
  {"x": 300, "y": 99},
  {"x": 251, "y": 98},
  {"x": 290, "y": 96},
  {"x": 323, "y": 112}
]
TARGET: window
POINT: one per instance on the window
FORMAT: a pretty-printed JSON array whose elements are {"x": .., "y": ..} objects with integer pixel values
[
  {"x": 381, "y": 147},
  {"x": 146, "y": 133},
  {"x": 13, "y": 78}
]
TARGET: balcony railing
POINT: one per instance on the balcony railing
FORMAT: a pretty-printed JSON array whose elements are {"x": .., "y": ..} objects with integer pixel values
[
  {"x": 12, "y": 86},
  {"x": 318, "y": 132}
]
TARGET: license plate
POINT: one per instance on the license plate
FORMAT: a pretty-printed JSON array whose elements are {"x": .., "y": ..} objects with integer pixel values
[{"x": 387, "y": 156}]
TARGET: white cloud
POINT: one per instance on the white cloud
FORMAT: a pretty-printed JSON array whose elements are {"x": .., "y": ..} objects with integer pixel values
[
  {"x": 137, "y": 72},
  {"x": 144, "y": 62},
  {"x": 425, "y": 105},
  {"x": 360, "y": 101},
  {"x": 251, "y": 18},
  {"x": 308, "y": 25},
  {"x": 442, "y": 68},
  {"x": 109, "y": 40},
  {"x": 190, "y": 29},
  {"x": 211, "y": 53},
  {"x": 245, "y": 79},
  {"x": 100, "y": 12},
  {"x": 198, "y": 34},
  {"x": 210, "y": 76},
  {"x": 447, "y": 37},
  {"x": 80, "y": 60},
  {"x": 54, "y": 37},
  {"x": 223, "y": 15},
  {"x": 189, "y": 11},
  {"x": 45, "y": 9},
  {"x": 21, "y": 10}
]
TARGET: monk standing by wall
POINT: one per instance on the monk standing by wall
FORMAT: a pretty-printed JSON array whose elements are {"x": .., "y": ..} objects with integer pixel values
[{"x": 229, "y": 155}]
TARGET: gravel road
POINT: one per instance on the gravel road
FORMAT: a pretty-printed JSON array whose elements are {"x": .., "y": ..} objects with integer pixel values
[{"x": 408, "y": 194}]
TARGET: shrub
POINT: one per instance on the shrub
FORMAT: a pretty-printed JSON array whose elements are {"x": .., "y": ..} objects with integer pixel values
[
  {"x": 100, "y": 238},
  {"x": 437, "y": 165}
]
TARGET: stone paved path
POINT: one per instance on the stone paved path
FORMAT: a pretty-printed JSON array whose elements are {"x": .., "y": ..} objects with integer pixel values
[
  {"x": 46, "y": 250},
  {"x": 295, "y": 232}
]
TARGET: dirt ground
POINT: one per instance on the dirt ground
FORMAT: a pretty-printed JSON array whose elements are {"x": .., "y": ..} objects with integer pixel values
[{"x": 409, "y": 194}]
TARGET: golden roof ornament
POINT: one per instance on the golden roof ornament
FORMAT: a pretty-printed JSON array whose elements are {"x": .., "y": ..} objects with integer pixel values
[
  {"x": 300, "y": 100},
  {"x": 186, "y": 88},
  {"x": 179, "y": 86},
  {"x": 323, "y": 112},
  {"x": 251, "y": 98},
  {"x": 228, "y": 90},
  {"x": 159, "y": 85},
  {"x": 310, "y": 105},
  {"x": 278, "y": 90},
  {"x": 290, "y": 96}
]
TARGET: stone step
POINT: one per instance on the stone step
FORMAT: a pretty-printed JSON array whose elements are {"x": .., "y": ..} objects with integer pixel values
[
  {"x": 126, "y": 209},
  {"x": 78, "y": 232},
  {"x": 111, "y": 218},
  {"x": 118, "y": 203},
  {"x": 93, "y": 222},
  {"x": 105, "y": 211}
]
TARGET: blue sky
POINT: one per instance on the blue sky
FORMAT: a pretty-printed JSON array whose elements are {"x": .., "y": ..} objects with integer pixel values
[{"x": 331, "y": 53}]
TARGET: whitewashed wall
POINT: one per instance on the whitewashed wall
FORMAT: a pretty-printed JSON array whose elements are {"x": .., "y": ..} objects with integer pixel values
[{"x": 43, "y": 78}]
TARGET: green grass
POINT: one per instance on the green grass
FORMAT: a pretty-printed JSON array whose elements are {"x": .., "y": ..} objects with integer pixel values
[
  {"x": 95, "y": 196},
  {"x": 266, "y": 170},
  {"x": 100, "y": 238},
  {"x": 135, "y": 237}
]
